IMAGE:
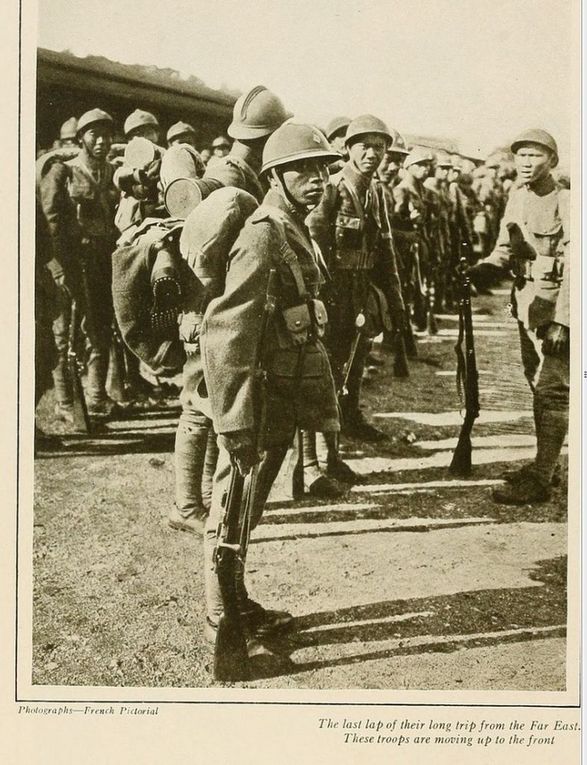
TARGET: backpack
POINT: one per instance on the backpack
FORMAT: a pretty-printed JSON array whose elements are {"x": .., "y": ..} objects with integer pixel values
[{"x": 151, "y": 286}]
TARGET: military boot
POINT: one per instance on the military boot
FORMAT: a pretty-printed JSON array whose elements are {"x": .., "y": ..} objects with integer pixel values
[
  {"x": 529, "y": 489},
  {"x": 191, "y": 439},
  {"x": 316, "y": 482}
]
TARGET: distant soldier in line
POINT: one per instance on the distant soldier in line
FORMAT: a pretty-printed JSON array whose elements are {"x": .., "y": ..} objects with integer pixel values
[
  {"x": 255, "y": 420},
  {"x": 534, "y": 243},
  {"x": 352, "y": 228},
  {"x": 181, "y": 132},
  {"x": 461, "y": 232},
  {"x": 411, "y": 229},
  {"x": 437, "y": 187},
  {"x": 68, "y": 133},
  {"x": 336, "y": 132},
  {"x": 256, "y": 115},
  {"x": 78, "y": 199}
]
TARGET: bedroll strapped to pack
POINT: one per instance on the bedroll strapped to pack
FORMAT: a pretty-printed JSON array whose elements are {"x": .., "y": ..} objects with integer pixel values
[{"x": 152, "y": 286}]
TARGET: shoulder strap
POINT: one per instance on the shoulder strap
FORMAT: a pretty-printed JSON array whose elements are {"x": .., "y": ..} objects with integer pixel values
[{"x": 288, "y": 255}]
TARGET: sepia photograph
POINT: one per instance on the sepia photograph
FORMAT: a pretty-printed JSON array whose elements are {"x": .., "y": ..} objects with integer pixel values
[{"x": 304, "y": 289}]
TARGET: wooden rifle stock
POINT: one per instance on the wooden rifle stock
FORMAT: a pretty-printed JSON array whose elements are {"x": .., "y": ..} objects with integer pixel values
[
  {"x": 81, "y": 419},
  {"x": 468, "y": 375}
]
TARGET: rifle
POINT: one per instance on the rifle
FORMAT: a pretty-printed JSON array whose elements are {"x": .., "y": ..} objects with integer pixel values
[
  {"x": 231, "y": 661},
  {"x": 359, "y": 324},
  {"x": 400, "y": 358},
  {"x": 467, "y": 376},
  {"x": 81, "y": 419}
]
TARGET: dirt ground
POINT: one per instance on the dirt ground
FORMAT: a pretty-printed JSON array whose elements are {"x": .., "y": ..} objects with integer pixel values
[{"x": 412, "y": 581}]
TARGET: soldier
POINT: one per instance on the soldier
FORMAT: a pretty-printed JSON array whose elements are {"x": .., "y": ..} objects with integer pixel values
[
  {"x": 299, "y": 389},
  {"x": 389, "y": 168},
  {"x": 256, "y": 115},
  {"x": 78, "y": 200},
  {"x": 437, "y": 187},
  {"x": 181, "y": 132},
  {"x": 68, "y": 133},
  {"x": 336, "y": 132},
  {"x": 461, "y": 231},
  {"x": 351, "y": 226},
  {"x": 410, "y": 223},
  {"x": 220, "y": 149},
  {"x": 534, "y": 242},
  {"x": 139, "y": 196}
]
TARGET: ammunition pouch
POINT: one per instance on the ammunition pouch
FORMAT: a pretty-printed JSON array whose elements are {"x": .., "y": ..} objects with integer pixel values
[
  {"x": 305, "y": 321},
  {"x": 348, "y": 232}
]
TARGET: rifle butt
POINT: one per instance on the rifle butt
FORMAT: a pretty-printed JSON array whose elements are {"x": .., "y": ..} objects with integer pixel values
[
  {"x": 231, "y": 660},
  {"x": 81, "y": 418},
  {"x": 400, "y": 361}
]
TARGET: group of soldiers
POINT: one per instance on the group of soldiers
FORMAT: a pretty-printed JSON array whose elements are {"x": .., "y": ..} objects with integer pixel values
[{"x": 273, "y": 265}]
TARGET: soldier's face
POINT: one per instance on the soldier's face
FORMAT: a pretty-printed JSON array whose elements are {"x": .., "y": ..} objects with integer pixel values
[
  {"x": 441, "y": 173},
  {"x": 420, "y": 170},
  {"x": 221, "y": 151},
  {"x": 367, "y": 152},
  {"x": 533, "y": 162},
  {"x": 384, "y": 170},
  {"x": 97, "y": 141},
  {"x": 305, "y": 181}
]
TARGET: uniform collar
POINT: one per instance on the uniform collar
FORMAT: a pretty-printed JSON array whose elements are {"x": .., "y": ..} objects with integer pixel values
[
  {"x": 544, "y": 186},
  {"x": 275, "y": 199},
  {"x": 360, "y": 181}
]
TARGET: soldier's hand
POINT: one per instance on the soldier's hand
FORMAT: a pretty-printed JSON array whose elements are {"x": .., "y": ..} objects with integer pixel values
[
  {"x": 556, "y": 340},
  {"x": 241, "y": 447},
  {"x": 484, "y": 275}
]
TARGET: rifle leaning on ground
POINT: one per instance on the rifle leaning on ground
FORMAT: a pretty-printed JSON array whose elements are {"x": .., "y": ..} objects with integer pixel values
[
  {"x": 81, "y": 419},
  {"x": 467, "y": 376},
  {"x": 231, "y": 661}
]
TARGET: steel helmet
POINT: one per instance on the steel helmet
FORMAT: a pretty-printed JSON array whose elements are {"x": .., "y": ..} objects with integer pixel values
[
  {"x": 492, "y": 162},
  {"x": 68, "y": 129},
  {"x": 91, "y": 118},
  {"x": 442, "y": 159},
  {"x": 292, "y": 142},
  {"x": 366, "y": 123},
  {"x": 535, "y": 135},
  {"x": 399, "y": 145},
  {"x": 417, "y": 156},
  {"x": 137, "y": 119},
  {"x": 257, "y": 114},
  {"x": 336, "y": 125},
  {"x": 180, "y": 128},
  {"x": 217, "y": 143}
]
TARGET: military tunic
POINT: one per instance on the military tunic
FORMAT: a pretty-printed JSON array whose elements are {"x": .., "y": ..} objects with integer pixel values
[
  {"x": 299, "y": 388},
  {"x": 351, "y": 226}
]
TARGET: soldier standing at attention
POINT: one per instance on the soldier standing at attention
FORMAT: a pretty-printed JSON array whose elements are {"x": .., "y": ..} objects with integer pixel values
[
  {"x": 410, "y": 223},
  {"x": 78, "y": 200},
  {"x": 299, "y": 389},
  {"x": 437, "y": 185},
  {"x": 257, "y": 114},
  {"x": 534, "y": 243},
  {"x": 352, "y": 228},
  {"x": 336, "y": 132}
]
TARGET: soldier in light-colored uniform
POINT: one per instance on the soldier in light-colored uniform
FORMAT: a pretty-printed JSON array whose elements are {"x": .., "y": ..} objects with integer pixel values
[{"x": 534, "y": 243}]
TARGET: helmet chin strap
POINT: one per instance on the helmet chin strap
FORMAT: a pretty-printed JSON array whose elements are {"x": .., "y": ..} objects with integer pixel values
[{"x": 277, "y": 175}]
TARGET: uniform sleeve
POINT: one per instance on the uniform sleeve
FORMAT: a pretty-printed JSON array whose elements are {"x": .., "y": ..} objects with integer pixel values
[
  {"x": 502, "y": 253},
  {"x": 56, "y": 207},
  {"x": 232, "y": 329},
  {"x": 562, "y": 314},
  {"x": 320, "y": 223}
]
